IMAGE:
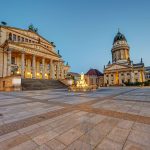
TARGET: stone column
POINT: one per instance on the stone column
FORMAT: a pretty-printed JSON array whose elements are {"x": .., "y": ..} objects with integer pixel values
[
  {"x": 58, "y": 70},
  {"x": 143, "y": 77},
  {"x": 33, "y": 67},
  {"x": 132, "y": 77},
  {"x": 125, "y": 77},
  {"x": 43, "y": 68},
  {"x": 139, "y": 77},
  {"x": 22, "y": 64},
  {"x": 62, "y": 71},
  {"x": 114, "y": 79},
  {"x": 9, "y": 62},
  {"x": 51, "y": 69},
  {"x": 109, "y": 79}
]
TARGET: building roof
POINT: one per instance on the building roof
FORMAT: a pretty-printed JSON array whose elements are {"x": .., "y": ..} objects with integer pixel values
[
  {"x": 138, "y": 65},
  {"x": 147, "y": 68},
  {"x": 94, "y": 72},
  {"x": 119, "y": 37},
  {"x": 73, "y": 74}
]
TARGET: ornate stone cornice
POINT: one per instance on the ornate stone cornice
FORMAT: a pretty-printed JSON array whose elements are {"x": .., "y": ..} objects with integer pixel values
[
  {"x": 32, "y": 51},
  {"x": 11, "y": 29}
]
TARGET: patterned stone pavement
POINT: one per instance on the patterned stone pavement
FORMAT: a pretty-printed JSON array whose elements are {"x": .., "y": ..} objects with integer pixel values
[{"x": 116, "y": 118}]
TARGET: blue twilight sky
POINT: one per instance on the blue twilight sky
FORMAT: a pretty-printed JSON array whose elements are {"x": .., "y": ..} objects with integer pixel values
[{"x": 83, "y": 30}]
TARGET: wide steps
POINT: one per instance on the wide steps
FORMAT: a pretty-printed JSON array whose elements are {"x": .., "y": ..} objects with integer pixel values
[{"x": 41, "y": 84}]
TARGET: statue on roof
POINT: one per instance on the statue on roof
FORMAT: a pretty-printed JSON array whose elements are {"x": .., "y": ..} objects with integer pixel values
[
  {"x": 32, "y": 28},
  {"x": 4, "y": 23}
]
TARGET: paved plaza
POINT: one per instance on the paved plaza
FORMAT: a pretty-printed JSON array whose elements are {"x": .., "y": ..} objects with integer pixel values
[{"x": 116, "y": 118}]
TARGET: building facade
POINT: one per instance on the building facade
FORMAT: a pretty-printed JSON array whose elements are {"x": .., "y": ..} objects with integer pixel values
[
  {"x": 26, "y": 53},
  {"x": 94, "y": 78},
  {"x": 122, "y": 69},
  {"x": 147, "y": 73}
]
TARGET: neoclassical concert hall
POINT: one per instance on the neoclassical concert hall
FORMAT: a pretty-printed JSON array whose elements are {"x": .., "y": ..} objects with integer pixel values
[{"x": 28, "y": 54}]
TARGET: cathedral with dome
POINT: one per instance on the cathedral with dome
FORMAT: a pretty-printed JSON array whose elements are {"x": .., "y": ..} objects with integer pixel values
[{"x": 122, "y": 69}]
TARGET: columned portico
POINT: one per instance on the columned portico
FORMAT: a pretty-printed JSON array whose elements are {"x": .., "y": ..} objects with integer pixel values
[{"x": 35, "y": 67}]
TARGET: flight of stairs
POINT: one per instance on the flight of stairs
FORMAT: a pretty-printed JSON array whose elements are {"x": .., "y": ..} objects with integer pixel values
[{"x": 41, "y": 84}]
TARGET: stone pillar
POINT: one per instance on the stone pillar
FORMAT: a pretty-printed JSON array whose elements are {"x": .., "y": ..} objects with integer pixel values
[
  {"x": 33, "y": 67},
  {"x": 51, "y": 69},
  {"x": 132, "y": 77},
  {"x": 114, "y": 79},
  {"x": 139, "y": 77},
  {"x": 62, "y": 71},
  {"x": 58, "y": 70},
  {"x": 9, "y": 62},
  {"x": 43, "y": 68},
  {"x": 109, "y": 78},
  {"x": 22, "y": 64},
  {"x": 143, "y": 77}
]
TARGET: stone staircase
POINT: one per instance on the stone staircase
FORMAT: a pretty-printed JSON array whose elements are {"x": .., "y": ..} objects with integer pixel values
[{"x": 41, "y": 84}]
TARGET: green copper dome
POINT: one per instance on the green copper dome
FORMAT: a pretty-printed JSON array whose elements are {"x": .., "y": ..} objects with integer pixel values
[{"x": 119, "y": 37}]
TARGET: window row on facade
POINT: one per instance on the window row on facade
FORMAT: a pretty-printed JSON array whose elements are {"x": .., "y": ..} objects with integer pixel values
[{"x": 18, "y": 38}]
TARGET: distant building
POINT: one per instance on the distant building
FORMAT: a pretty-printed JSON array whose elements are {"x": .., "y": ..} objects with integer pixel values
[
  {"x": 147, "y": 73},
  {"x": 122, "y": 69},
  {"x": 94, "y": 78}
]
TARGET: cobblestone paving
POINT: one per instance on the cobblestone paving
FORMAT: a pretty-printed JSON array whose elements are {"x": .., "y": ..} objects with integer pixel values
[{"x": 115, "y": 118}]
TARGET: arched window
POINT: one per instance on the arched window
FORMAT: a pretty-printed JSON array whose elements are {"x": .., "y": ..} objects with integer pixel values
[
  {"x": 18, "y": 38},
  {"x": 22, "y": 39},
  {"x": 10, "y": 36},
  {"x": 14, "y": 37}
]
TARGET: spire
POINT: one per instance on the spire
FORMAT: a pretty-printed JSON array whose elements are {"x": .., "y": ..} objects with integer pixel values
[
  {"x": 141, "y": 60},
  {"x": 109, "y": 63},
  {"x": 118, "y": 30},
  {"x": 104, "y": 66},
  {"x": 67, "y": 64}
]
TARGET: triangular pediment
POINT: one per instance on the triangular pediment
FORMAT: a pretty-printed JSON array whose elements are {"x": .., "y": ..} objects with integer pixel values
[
  {"x": 116, "y": 67},
  {"x": 27, "y": 33}
]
